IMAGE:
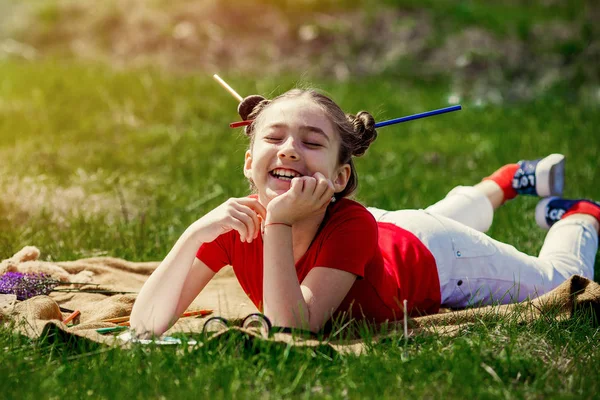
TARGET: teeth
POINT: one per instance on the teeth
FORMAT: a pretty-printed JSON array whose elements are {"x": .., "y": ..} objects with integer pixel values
[{"x": 284, "y": 173}]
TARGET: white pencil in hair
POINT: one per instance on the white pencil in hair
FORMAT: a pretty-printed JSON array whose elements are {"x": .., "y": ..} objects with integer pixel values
[
  {"x": 405, "y": 322},
  {"x": 228, "y": 88}
]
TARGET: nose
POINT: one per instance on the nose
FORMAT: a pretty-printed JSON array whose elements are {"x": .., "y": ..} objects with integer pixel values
[{"x": 288, "y": 150}]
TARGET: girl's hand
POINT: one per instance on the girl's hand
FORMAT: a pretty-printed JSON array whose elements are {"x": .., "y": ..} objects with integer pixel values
[
  {"x": 308, "y": 195},
  {"x": 242, "y": 214}
]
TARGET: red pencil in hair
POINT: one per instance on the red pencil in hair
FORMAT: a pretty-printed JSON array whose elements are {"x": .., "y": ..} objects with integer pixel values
[{"x": 241, "y": 123}]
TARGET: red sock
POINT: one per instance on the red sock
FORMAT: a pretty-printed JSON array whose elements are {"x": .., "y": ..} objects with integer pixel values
[
  {"x": 584, "y": 207},
  {"x": 504, "y": 177}
]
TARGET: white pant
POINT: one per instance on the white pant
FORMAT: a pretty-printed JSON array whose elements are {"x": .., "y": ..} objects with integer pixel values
[{"x": 476, "y": 269}]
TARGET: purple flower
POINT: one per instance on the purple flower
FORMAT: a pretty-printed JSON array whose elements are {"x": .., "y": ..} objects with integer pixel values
[{"x": 26, "y": 286}]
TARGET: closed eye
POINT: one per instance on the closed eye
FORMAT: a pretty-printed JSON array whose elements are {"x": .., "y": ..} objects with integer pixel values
[
  {"x": 312, "y": 144},
  {"x": 271, "y": 139}
]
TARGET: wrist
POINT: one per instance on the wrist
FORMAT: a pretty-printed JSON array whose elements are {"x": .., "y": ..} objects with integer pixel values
[
  {"x": 198, "y": 232},
  {"x": 275, "y": 219},
  {"x": 284, "y": 224}
]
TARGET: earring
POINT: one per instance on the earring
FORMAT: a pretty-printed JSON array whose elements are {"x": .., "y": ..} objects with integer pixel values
[{"x": 332, "y": 199}]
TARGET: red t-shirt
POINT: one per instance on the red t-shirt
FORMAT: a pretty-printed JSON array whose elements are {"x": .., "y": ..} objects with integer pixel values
[{"x": 391, "y": 264}]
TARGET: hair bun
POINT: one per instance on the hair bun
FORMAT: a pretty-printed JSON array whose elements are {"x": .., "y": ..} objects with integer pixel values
[
  {"x": 247, "y": 105},
  {"x": 364, "y": 127}
]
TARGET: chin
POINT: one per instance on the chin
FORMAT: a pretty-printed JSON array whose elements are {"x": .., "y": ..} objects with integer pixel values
[{"x": 271, "y": 194}]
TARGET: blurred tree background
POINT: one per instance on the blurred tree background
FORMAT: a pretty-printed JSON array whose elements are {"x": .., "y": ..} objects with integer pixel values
[{"x": 493, "y": 52}]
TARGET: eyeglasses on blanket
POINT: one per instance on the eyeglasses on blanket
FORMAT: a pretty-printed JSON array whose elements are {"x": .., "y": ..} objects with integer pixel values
[{"x": 255, "y": 321}]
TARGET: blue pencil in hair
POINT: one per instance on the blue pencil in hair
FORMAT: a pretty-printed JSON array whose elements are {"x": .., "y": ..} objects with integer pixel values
[{"x": 418, "y": 116}]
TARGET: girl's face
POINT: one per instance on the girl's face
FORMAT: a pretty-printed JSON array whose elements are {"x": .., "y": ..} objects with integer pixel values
[{"x": 293, "y": 138}]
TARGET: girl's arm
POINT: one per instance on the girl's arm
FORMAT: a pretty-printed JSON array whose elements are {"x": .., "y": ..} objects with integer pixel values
[
  {"x": 180, "y": 277},
  {"x": 196, "y": 281},
  {"x": 324, "y": 289},
  {"x": 176, "y": 281},
  {"x": 286, "y": 302}
]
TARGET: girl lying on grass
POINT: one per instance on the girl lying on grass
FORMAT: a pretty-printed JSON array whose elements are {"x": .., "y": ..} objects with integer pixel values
[{"x": 304, "y": 252}]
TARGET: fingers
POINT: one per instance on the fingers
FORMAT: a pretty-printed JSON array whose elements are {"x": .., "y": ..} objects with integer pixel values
[
  {"x": 304, "y": 186},
  {"x": 243, "y": 224},
  {"x": 297, "y": 186},
  {"x": 251, "y": 220},
  {"x": 255, "y": 205},
  {"x": 324, "y": 188},
  {"x": 244, "y": 217},
  {"x": 310, "y": 184},
  {"x": 256, "y": 211},
  {"x": 237, "y": 225},
  {"x": 315, "y": 187},
  {"x": 306, "y": 195}
]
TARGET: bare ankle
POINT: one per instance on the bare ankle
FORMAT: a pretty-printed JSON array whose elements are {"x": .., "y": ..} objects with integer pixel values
[{"x": 492, "y": 191}]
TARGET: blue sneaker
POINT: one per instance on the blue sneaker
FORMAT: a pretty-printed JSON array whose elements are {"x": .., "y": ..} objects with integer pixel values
[
  {"x": 551, "y": 209},
  {"x": 544, "y": 177}
]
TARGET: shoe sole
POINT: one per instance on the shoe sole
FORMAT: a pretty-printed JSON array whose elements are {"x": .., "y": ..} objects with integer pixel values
[
  {"x": 550, "y": 176},
  {"x": 540, "y": 212}
]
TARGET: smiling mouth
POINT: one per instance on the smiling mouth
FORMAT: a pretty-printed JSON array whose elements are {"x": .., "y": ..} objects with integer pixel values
[{"x": 284, "y": 174}]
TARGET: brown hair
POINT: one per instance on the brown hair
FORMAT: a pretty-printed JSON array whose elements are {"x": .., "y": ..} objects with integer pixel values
[{"x": 356, "y": 132}]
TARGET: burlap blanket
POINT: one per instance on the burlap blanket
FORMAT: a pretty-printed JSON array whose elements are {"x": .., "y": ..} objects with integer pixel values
[{"x": 41, "y": 316}]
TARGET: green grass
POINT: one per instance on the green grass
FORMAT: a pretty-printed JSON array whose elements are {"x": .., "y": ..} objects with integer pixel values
[
  {"x": 152, "y": 153},
  {"x": 98, "y": 161},
  {"x": 493, "y": 359}
]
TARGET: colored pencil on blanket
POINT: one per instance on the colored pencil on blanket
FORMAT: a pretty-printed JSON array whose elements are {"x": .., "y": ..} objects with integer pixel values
[
  {"x": 190, "y": 314},
  {"x": 71, "y": 317},
  {"x": 116, "y": 320},
  {"x": 121, "y": 320},
  {"x": 111, "y": 329},
  {"x": 197, "y": 312}
]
